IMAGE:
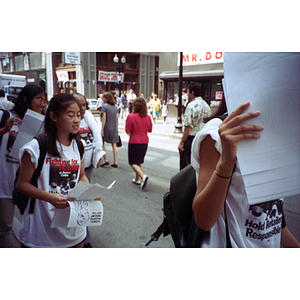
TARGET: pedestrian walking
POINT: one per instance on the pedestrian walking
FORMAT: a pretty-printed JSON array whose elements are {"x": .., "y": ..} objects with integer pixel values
[
  {"x": 32, "y": 97},
  {"x": 124, "y": 105},
  {"x": 109, "y": 132},
  {"x": 195, "y": 112},
  {"x": 138, "y": 124},
  {"x": 185, "y": 101},
  {"x": 99, "y": 104},
  {"x": 92, "y": 142},
  {"x": 130, "y": 97},
  {"x": 62, "y": 138},
  {"x": 164, "y": 112},
  {"x": 155, "y": 107}
]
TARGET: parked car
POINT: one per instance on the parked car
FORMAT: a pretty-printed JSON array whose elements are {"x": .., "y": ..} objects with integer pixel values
[{"x": 92, "y": 103}]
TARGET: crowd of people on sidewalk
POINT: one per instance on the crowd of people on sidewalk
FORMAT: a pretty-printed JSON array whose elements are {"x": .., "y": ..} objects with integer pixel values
[
  {"x": 68, "y": 124},
  {"x": 207, "y": 143}
]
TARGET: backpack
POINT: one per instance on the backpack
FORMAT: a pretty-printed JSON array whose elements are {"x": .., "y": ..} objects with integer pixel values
[
  {"x": 5, "y": 117},
  {"x": 179, "y": 219},
  {"x": 20, "y": 199}
]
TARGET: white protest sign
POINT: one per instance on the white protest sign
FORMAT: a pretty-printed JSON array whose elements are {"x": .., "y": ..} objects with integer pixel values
[{"x": 270, "y": 81}]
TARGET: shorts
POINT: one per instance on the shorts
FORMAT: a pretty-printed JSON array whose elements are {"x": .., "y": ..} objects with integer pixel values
[{"x": 136, "y": 153}]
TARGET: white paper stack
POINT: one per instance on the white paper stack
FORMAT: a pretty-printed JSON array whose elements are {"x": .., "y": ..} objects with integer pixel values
[
  {"x": 270, "y": 166},
  {"x": 31, "y": 126}
]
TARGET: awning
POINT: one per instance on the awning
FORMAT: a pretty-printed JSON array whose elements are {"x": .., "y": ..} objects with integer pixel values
[{"x": 186, "y": 73}]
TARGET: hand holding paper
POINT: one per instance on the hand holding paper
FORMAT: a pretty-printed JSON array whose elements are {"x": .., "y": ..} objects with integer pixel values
[
  {"x": 87, "y": 191},
  {"x": 232, "y": 131},
  {"x": 83, "y": 211}
]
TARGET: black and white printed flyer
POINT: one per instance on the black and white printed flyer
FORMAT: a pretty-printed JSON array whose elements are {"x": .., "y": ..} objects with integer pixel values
[{"x": 85, "y": 211}]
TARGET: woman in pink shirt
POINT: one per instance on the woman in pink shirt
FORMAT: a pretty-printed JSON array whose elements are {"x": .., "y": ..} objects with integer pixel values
[{"x": 138, "y": 124}]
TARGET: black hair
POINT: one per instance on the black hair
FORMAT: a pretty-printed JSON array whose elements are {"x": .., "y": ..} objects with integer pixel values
[
  {"x": 196, "y": 88},
  {"x": 21, "y": 105},
  {"x": 222, "y": 109},
  {"x": 2, "y": 93},
  {"x": 58, "y": 104}
]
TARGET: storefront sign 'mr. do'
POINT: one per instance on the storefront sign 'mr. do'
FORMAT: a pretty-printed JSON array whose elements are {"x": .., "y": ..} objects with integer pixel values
[{"x": 200, "y": 58}]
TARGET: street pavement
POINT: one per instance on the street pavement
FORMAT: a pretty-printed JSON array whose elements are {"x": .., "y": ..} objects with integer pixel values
[{"x": 291, "y": 204}]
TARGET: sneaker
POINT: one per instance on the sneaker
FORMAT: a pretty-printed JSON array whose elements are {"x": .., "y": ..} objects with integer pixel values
[
  {"x": 144, "y": 182},
  {"x": 136, "y": 182}
]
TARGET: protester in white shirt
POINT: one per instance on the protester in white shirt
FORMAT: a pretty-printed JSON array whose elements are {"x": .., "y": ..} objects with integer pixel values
[
  {"x": 220, "y": 187},
  {"x": 63, "y": 168}
]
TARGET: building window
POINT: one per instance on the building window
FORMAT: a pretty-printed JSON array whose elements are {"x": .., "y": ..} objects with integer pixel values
[
  {"x": 131, "y": 62},
  {"x": 5, "y": 64},
  {"x": 101, "y": 59},
  {"x": 172, "y": 90},
  {"x": 216, "y": 90},
  {"x": 35, "y": 60},
  {"x": 19, "y": 63},
  {"x": 59, "y": 60}
]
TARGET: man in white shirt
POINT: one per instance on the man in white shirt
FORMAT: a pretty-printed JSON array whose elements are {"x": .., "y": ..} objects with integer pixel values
[
  {"x": 4, "y": 103},
  {"x": 130, "y": 97},
  {"x": 196, "y": 111}
]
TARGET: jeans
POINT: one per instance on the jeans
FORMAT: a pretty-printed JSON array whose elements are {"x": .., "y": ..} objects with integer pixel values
[{"x": 7, "y": 208}]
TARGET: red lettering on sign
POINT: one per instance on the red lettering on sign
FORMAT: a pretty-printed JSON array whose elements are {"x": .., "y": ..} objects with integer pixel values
[
  {"x": 194, "y": 57},
  {"x": 219, "y": 55},
  {"x": 208, "y": 56},
  {"x": 185, "y": 58}
]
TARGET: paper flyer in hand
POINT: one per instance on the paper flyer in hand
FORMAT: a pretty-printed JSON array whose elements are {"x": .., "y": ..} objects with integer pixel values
[
  {"x": 31, "y": 126},
  {"x": 270, "y": 166},
  {"x": 85, "y": 211}
]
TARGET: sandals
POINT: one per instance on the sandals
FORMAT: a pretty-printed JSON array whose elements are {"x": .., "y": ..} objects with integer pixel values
[{"x": 107, "y": 163}]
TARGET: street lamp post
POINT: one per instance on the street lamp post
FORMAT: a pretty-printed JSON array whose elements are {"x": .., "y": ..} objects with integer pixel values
[
  {"x": 119, "y": 69},
  {"x": 178, "y": 126}
]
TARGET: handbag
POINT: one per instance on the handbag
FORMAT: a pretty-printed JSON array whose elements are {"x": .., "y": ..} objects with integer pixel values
[{"x": 119, "y": 143}]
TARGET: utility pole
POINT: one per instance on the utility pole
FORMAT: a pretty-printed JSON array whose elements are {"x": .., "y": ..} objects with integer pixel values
[{"x": 178, "y": 126}]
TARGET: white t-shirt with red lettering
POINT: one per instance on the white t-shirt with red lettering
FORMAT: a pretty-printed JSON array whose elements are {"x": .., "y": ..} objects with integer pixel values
[
  {"x": 91, "y": 139},
  {"x": 58, "y": 175}
]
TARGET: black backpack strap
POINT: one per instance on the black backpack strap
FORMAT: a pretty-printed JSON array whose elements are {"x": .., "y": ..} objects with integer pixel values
[
  {"x": 80, "y": 147},
  {"x": 228, "y": 242},
  {"x": 4, "y": 118},
  {"x": 42, "y": 145}
]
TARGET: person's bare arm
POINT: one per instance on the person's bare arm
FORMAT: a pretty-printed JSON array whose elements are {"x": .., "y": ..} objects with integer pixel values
[
  {"x": 216, "y": 169},
  {"x": 288, "y": 240}
]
